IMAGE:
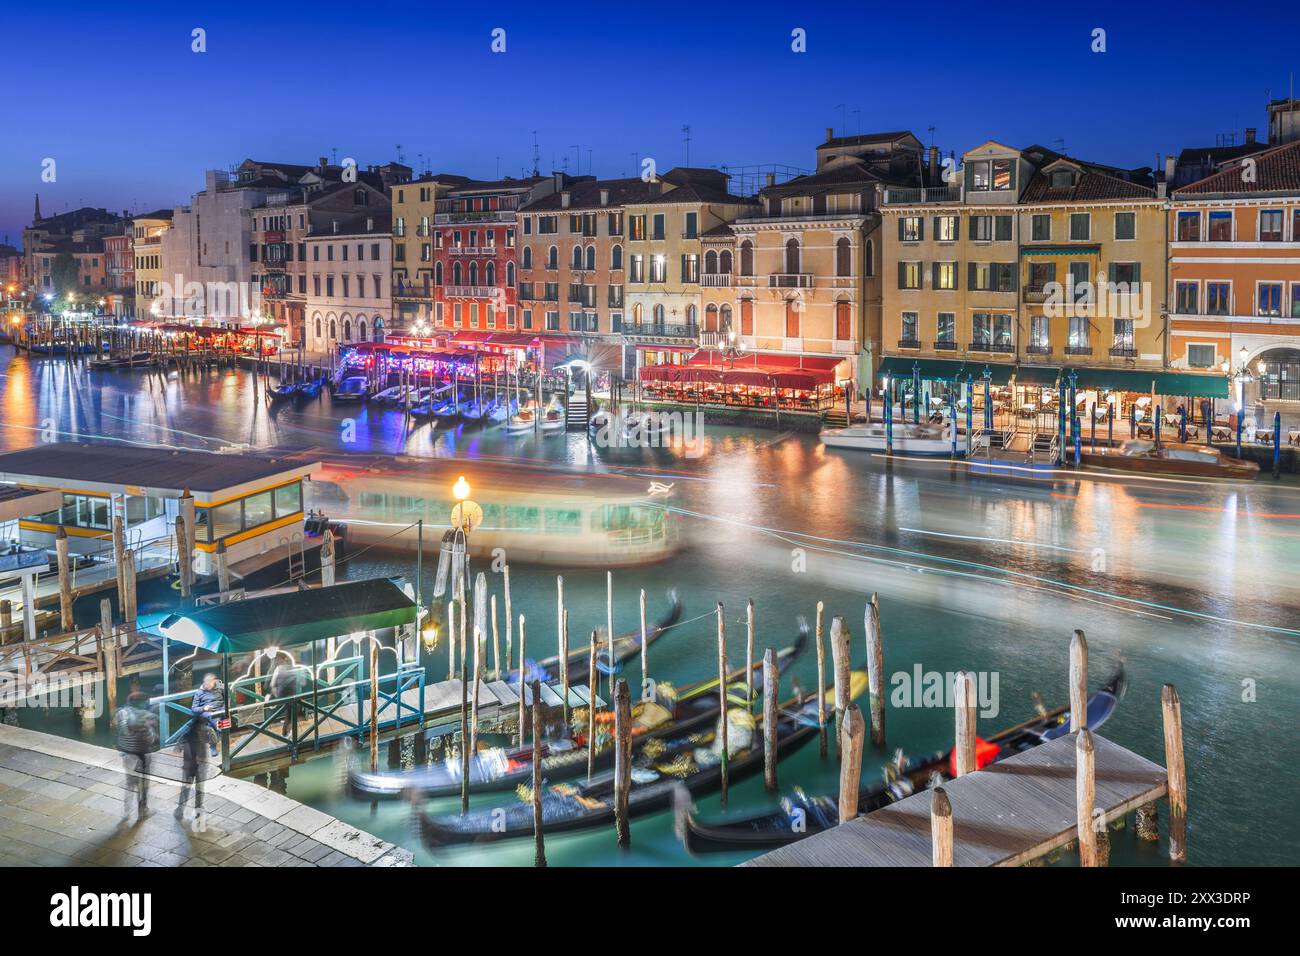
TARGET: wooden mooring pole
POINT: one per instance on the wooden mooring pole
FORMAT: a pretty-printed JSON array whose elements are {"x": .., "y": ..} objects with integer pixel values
[
  {"x": 821, "y": 681},
  {"x": 771, "y": 677},
  {"x": 182, "y": 559},
  {"x": 564, "y": 663},
  {"x": 940, "y": 828},
  {"x": 539, "y": 843},
  {"x": 852, "y": 730},
  {"x": 622, "y": 761},
  {"x": 875, "y": 670},
  {"x": 223, "y": 564},
  {"x": 591, "y": 707},
  {"x": 609, "y": 629},
  {"x": 1172, "y": 712},
  {"x": 840, "y": 664},
  {"x": 645, "y": 667},
  {"x": 496, "y": 641},
  {"x": 964, "y": 700},
  {"x": 1078, "y": 682},
  {"x": 749, "y": 653},
  {"x": 109, "y": 637},
  {"x": 523, "y": 649},
  {"x": 505, "y": 583},
  {"x": 119, "y": 549},
  {"x": 1085, "y": 796},
  {"x": 722, "y": 695},
  {"x": 464, "y": 734},
  {"x": 65, "y": 579},
  {"x": 127, "y": 596}
]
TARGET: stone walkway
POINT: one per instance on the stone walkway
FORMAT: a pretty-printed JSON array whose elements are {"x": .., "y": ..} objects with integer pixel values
[{"x": 62, "y": 804}]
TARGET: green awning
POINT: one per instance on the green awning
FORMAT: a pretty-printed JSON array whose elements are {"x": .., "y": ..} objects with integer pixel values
[
  {"x": 283, "y": 620},
  {"x": 1192, "y": 384},
  {"x": 1037, "y": 374},
  {"x": 902, "y": 367},
  {"x": 1079, "y": 250},
  {"x": 1119, "y": 379}
]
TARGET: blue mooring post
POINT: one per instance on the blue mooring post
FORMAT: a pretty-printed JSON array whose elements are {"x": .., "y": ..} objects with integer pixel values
[
  {"x": 916, "y": 393},
  {"x": 1277, "y": 445},
  {"x": 1110, "y": 425},
  {"x": 1060, "y": 420},
  {"x": 1240, "y": 416},
  {"x": 1074, "y": 416},
  {"x": 952, "y": 417},
  {"x": 1209, "y": 425},
  {"x": 970, "y": 403},
  {"x": 988, "y": 400},
  {"x": 889, "y": 420},
  {"x": 1156, "y": 431}
]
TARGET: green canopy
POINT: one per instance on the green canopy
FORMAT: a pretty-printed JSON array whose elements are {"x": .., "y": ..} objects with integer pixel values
[
  {"x": 902, "y": 367},
  {"x": 1193, "y": 384},
  {"x": 1148, "y": 380},
  {"x": 1037, "y": 374},
  {"x": 297, "y": 617}
]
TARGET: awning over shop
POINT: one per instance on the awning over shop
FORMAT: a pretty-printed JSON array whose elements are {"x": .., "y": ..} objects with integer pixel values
[
  {"x": 516, "y": 340},
  {"x": 899, "y": 366},
  {"x": 757, "y": 376},
  {"x": 1192, "y": 384},
  {"x": 1075, "y": 250},
  {"x": 1037, "y": 374},
  {"x": 283, "y": 620}
]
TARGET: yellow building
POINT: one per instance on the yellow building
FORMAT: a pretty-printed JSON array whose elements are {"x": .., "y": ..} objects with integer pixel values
[
  {"x": 413, "y": 211},
  {"x": 146, "y": 232}
]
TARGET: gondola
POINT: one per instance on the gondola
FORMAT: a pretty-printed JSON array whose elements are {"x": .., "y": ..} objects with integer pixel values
[
  {"x": 690, "y": 708},
  {"x": 625, "y": 647},
  {"x": 280, "y": 392},
  {"x": 770, "y": 830},
  {"x": 688, "y": 762},
  {"x": 309, "y": 389}
]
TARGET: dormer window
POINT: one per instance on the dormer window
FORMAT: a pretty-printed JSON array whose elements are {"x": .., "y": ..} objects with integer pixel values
[
  {"x": 992, "y": 174},
  {"x": 1062, "y": 178}
]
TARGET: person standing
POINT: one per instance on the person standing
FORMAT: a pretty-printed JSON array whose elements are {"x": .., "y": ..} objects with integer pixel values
[
  {"x": 193, "y": 744},
  {"x": 137, "y": 739},
  {"x": 208, "y": 703}
]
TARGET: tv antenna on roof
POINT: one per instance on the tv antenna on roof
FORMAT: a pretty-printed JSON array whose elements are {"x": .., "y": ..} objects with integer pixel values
[
  {"x": 537, "y": 156},
  {"x": 334, "y": 155},
  {"x": 844, "y": 121},
  {"x": 400, "y": 157},
  {"x": 686, "y": 138}
]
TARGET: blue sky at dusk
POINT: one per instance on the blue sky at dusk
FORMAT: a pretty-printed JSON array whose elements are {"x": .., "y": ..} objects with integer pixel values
[{"x": 113, "y": 93}]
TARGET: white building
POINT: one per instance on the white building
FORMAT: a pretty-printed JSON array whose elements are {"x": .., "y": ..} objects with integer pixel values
[{"x": 349, "y": 282}]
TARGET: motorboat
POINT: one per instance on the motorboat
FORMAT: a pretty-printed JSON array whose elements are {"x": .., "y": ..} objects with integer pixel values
[
  {"x": 1172, "y": 458},
  {"x": 351, "y": 389},
  {"x": 908, "y": 439}
]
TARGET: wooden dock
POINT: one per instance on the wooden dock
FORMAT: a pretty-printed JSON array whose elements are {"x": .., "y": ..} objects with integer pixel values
[{"x": 1011, "y": 812}]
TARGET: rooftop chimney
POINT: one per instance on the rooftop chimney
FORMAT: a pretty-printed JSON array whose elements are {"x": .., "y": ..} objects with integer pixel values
[
  {"x": 934, "y": 163},
  {"x": 564, "y": 199},
  {"x": 322, "y": 162},
  {"x": 604, "y": 197},
  {"x": 1171, "y": 165},
  {"x": 771, "y": 179},
  {"x": 1250, "y": 134},
  {"x": 830, "y": 133}
]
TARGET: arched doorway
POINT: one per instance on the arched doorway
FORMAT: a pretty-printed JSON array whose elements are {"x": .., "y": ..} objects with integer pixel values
[{"x": 1278, "y": 372}]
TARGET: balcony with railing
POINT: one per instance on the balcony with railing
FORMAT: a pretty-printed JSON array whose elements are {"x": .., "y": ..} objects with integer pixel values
[
  {"x": 413, "y": 290},
  {"x": 472, "y": 250},
  {"x": 909, "y": 343},
  {"x": 1039, "y": 348},
  {"x": 716, "y": 280},
  {"x": 897, "y": 197},
  {"x": 1078, "y": 350},
  {"x": 945, "y": 345},
  {"x": 472, "y": 291},
  {"x": 672, "y": 330},
  {"x": 986, "y": 346},
  {"x": 1123, "y": 349},
  {"x": 790, "y": 280}
]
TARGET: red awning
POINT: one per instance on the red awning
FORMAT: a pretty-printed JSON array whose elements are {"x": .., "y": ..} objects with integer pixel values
[
  {"x": 467, "y": 337},
  {"x": 755, "y": 376},
  {"x": 517, "y": 340}
]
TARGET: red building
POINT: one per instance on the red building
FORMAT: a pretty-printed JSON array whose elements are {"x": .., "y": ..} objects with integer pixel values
[{"x": 475, "y": 272}]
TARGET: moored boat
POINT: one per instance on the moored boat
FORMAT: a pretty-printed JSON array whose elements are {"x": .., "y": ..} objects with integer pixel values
[
  {"x": 908, "y": 439},
  {"x": 1172, "y": 458},
  {"x": 766, "y": 831}
]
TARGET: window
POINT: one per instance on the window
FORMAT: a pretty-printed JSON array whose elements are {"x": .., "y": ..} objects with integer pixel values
[
  {"x": 1080, "y": 282},
  {"x": 226, "y": 519},
  {"x": 981, "y": 330},
  {"x": 1201, "y": 356},
  {"x": 1040, "y": 274},
  {"x": 1295, "y": 300},
  {"x": 1040, "y": 227},
  {"x": 1002, "y": 230},
  {"x": 528, "y": 257},
  {"x": 945, "y": 275},
  {"x": 1295, "y": 224},
  {"x": 636, "y": 227},
  {"x": 692, "y": 220},
  {"x": 658, "y": 224},
  {"x": 991, "y": 276},
  {"x": 258, "y": 510},
  {"x": 659, "y": 268},
  {"x": 690, "y": 268},
  {"x": 909, "y": 275},
  {"x": 945, "y": 228},
  {"x": 909, "y": 229},
  {"x": 843, "y": 257},
  {"x": 1270, "y": 225},
  {"x": 1189, "y": 227},
  {"x": 792, "y": 256},
  {"x": 1218, "y": 298},
  {"x": 1220, "y": 227},
  {"x": 1122, "y": 340},
  {"x": 616, "y": 257},
  {"x": 1040, "y": 334},
  {"x": 1078, "y": 339},
  {"x": 1080, "y": 225},
  {"x": 908, "y": 327},
  {"x": 746, "y": 258},
  {"x": 1001, "y": 173},
  {"x": 992, "y": 174},
  {"x": 981, "y": 228},
  {"x": 947, "y": 328},
  {"x": 1127, "y": 274},
  {"x": 1125, "y": 225},
  {"x": 1185, "y": 297},
  {"x": 636, "y": 272},
  {"x": 1270, "y": 298}
]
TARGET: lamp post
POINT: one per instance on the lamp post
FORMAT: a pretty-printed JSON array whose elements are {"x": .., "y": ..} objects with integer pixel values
[{"x": 1241, "y": 376}]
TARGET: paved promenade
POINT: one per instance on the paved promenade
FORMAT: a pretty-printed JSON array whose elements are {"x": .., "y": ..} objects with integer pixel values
[{"x": 62, "y": 804}]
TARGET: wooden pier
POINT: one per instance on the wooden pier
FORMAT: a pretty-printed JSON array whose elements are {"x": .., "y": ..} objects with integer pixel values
[{"x": 1008, "y": 814}]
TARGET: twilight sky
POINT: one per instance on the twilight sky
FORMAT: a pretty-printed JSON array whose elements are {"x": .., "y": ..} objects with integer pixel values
[{"x": 132, "y": 117}]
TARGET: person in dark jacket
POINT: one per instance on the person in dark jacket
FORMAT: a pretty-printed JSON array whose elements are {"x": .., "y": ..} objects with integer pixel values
[
  {"x": 208, "y": 703},
  {"x": 137, "y": 739},
  {"x": 286, "y": 681},
  {"x": 192, "y": 760}
]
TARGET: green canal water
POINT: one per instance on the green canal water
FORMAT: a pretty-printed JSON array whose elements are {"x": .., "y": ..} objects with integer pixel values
[{"x": 1190, "y": 583}]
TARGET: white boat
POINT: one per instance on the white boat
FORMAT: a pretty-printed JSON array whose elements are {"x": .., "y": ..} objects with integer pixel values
[
  {"x": 909, "y": 439},
  {"x": 351, "y": 389},
  {"x": 524, "y": 421}
]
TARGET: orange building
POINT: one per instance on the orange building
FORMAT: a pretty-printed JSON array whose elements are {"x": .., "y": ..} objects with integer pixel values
[{"x": 1235, "y": 275}]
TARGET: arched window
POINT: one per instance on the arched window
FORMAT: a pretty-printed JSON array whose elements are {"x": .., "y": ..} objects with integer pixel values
[
  {"x": 437, "y": 273},
  {"x": 490, "y": 274},
  {"x": 334, "y": 330},
  {"x": 455, "y": 273},
  {"x": 659, "y": 315},
  {"x": 361, "y": 330},
  {"x": 616, "y": 257},
  {"x": 528, "y": 257},
  {"x": 711, "y": 318},
  {"x": 577, "y": 257},
  {"x": 379, "y": 330},
  {"x": 792, "y": 309},
  {"x": 692, "y": 315},
  {"x": 746, "y": 258},
  {"x": 637, "y": 313},
  {"x": 843, "y": 257},
  {"x": 473, "y": 273},
  {"x": 510, "y": 275},
  {"x": 347, "y": 329},
  {"x": 724, "y": 262},
  {"x": 792, "y": 256},
  {"x": 710, "y": 263},
  {"x": 591, "y": 258},
  {"x": 868, "y": 263},
  {"x": 725, "y": 323},
  {"x": 553, "y": 258},
  {"x": 318, "y": 329}
]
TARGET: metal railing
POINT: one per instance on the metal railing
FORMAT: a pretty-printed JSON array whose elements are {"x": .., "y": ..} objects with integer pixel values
[{"x": 928, "y": 194}]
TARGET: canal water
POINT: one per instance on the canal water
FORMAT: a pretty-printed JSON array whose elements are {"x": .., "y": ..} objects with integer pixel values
[{"x": 1190, "y": 583}]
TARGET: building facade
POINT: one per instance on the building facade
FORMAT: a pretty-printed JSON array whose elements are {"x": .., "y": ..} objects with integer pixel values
[
  {"x": 1235, "y": 275},
  {"x": 414, "y": 206},
  {"x": 349, "y": 283}
]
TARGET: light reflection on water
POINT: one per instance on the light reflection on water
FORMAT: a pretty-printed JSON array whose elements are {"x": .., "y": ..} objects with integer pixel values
[{"x": 1227, "y": 552}]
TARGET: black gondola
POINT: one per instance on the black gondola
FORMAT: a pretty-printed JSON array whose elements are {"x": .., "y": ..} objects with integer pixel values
[
  {"x": 775, "y": 829},
  {"x": 689, "y": 709},
  {"x": 683, "y": 762}
]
